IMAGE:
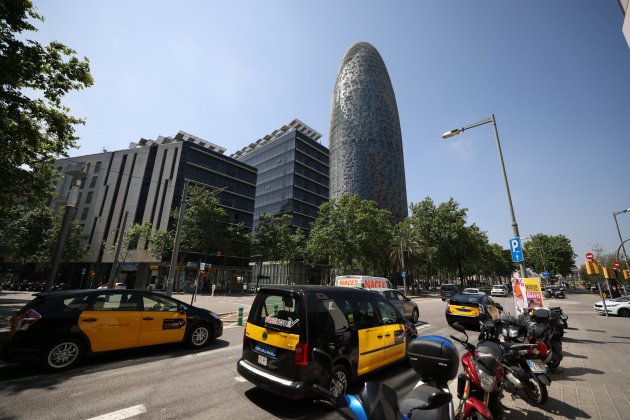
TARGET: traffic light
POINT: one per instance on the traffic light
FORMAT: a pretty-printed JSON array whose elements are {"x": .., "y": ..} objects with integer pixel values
[
  {"x": 606, "y": 273},
  {"x": 626, "y": 274},
  {"x": 591, "y": 267}
]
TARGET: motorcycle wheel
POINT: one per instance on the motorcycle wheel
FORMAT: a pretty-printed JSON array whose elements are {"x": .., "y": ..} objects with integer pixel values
[{"x": 536, "y": 391}]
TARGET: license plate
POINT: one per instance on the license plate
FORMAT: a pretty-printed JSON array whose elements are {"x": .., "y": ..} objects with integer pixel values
[
  {"x": 262, "y": 360},
  {"x": 266, "y": 349},
  {"x": 537, "y": 366}
]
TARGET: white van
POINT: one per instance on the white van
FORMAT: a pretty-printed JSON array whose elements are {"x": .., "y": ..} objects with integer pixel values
[{"x": 363, "y": 282}]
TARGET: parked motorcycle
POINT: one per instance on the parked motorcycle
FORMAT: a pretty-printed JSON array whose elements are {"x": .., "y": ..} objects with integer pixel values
[
  {"x": 554, "y": 293},
  {"x": 546, "y": 325},
  {"x": 434, "y": 358},
  {"x": 480, "y": 386},
  {"x": 525, "y": 371}
]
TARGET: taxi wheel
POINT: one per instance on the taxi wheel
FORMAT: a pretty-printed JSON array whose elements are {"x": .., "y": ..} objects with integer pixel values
[
  {"x": 415, "y": 316},
  {"x": 199, "y": 336},
  {"x": 63, "y": 354},
  {"x": 339, "y": 385}
]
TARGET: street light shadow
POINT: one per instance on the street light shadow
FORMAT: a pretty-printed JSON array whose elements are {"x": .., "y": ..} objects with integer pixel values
[
  {"x": 577, "y": 356},
  {"x": 571, "y": 372}
]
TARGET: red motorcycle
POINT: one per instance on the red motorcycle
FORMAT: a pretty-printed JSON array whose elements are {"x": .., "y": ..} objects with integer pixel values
[{"x": 480, "y": 386}]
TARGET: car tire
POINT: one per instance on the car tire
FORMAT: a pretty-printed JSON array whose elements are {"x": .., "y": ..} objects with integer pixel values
[
  {"x": 340, "y": 386},
  {"x": 415, "y": 316},
  {"x": 63, "y": 354},
  {"x": 624, "y": 312},
  {"x": 199, "y": 336}
]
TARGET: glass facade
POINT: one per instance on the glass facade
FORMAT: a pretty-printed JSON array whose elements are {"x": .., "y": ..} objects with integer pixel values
[
  {"x": 213, "y": 169},
  {"x": 293, "y": 177}
]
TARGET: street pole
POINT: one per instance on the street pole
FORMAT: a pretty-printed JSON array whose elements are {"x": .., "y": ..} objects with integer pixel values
[
  {"x": 63, "y": 233},
  {"x": 180, "y": 222},
  {"x": 492, "y": 120},
  {"x": 620, "y": 239},
  {"x": 507, "y": 189},
  {"x": 121, "y": 233}
]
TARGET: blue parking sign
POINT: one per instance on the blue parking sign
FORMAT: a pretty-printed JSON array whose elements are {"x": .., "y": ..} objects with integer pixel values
[{"x": 517, "y": 251}]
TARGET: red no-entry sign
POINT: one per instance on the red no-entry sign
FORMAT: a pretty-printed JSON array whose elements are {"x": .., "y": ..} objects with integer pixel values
[
  {"x": 616, "y": 264},
  {"x": 589, "y": 256}
]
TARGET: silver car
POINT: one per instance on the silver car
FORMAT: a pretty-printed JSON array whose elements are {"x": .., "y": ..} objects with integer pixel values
[{"x": 406, "y": 306}]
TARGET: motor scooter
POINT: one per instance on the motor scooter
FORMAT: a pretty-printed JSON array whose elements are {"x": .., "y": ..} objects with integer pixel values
[{"x": 434, "y": 358}]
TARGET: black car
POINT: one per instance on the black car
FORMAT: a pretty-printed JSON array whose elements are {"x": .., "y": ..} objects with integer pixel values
[{"x": 59, "y": 328}]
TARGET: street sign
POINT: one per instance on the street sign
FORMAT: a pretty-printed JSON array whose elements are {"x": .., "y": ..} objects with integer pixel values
[
  {"x": 517, "y": 250},
  {"x": 617, "y": 264},
  {"x": 83, "y": 271},
  {"x": 545, "y": 274},
  {"x": 589, "y": 256},
  {"x": 403, "y": 274}
]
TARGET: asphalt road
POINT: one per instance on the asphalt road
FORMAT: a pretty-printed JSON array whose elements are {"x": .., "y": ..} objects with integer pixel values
[{"x": 172, "y": 382}]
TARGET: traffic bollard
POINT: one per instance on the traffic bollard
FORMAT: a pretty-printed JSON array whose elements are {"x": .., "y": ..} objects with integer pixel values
[{"x": 240, "y": 316}]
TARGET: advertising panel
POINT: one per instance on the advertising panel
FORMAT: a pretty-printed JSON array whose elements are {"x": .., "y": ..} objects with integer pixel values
[{"x": 527, "y": 294}]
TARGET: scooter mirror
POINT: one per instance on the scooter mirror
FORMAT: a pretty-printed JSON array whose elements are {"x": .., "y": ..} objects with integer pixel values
[{"x": 459, "y": 327}]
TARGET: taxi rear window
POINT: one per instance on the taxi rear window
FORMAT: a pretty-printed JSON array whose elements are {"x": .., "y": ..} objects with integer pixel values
[
  {"x": 278, "y": 312},
  {"x": 459, "y": 298}
]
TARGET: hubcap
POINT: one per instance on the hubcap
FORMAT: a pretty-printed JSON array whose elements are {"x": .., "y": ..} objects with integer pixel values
[
  {"x": 338, "y": 385},
  {"x": 63, "y": 355},
  {"x": 200, "y": 335}
]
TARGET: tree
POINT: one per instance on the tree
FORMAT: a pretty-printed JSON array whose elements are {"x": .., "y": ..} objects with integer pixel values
[
  {"x": 205, "y": 223},
  {"x": 405, "y": 247},
  {"x": 25, "y": 237},
  {"x": 35, "y": 127},
  {"x": 274, "y": 240},
  {"x": 352, "y": 234},
  {"x": 554, "y": 250},
  {"x": 161, "y": 244},
  {"x": 73, "y": 249}
]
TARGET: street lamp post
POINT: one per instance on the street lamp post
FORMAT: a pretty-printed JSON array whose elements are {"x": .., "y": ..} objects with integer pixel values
[
  {"x": 615, "y": 213},
  {"x": 507, "y": 186}
]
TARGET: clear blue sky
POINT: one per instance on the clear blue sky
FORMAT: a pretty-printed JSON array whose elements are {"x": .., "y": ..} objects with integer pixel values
[{"x": 555, "y": 74}]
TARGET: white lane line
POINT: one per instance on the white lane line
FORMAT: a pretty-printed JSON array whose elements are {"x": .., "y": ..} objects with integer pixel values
[
  {"x": 125, "y": 413},
  {"x": 423, "y": 326},
  {"x": 240, "y": 379}
]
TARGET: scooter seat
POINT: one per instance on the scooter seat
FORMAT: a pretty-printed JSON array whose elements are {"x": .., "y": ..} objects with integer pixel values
[
  {"x": 379, "y": 401},
  {"x": 424, "y": 397}
]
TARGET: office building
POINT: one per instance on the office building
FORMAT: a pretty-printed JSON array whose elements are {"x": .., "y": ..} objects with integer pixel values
[
  {"x": 292, "y": 173},
  {"x": 366, "y": 151}
]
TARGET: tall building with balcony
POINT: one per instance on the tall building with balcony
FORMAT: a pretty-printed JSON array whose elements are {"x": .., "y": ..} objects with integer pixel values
[
  {"x": 292, "y": 173},
  {"x": 146, "y": 182}
]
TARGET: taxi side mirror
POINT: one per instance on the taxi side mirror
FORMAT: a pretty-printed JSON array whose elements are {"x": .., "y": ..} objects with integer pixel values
[{"x": 181, "y": 309}]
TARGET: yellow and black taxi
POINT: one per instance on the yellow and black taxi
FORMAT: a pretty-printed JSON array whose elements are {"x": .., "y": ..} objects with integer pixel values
[
  {"x": 59, "y": 328},
  {"x": 472, "y": 309},
  {"x": 360, "y": 329}
]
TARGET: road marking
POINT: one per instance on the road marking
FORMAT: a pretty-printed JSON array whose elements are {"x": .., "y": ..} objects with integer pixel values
[
  {"x": 125, "y": 413},
  {"x": 423, "y": 326},
  {"x": 240, "y": 379}
]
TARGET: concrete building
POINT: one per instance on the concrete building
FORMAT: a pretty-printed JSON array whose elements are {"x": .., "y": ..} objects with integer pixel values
[
  {"x": 366, "y": 152},
  {"x": 146, "y": 181},
  {"x": 292, "y": 173}
]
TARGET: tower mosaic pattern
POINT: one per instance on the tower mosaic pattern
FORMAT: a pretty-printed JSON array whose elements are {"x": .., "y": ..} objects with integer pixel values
[{"x": 366, "y": 153}]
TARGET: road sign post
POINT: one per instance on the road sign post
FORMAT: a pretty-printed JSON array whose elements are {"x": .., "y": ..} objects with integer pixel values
[{"x": 517, "y": 250}]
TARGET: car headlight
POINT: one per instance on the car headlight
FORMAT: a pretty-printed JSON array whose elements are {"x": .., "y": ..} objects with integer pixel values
[
  {"x": 504, "y": 332},
  {"x": 513, "y": 332},
  {"x": 487, "y": 381},
  {"x": 214, "y": 315}
]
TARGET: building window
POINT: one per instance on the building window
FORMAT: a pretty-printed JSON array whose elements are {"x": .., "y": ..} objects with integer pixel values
[
  {"x": 97, "y": 167},
  {"x": 93, "y": 181},
  {"x": 88, "y": 197},
  {"x": 84, "y": 213}
]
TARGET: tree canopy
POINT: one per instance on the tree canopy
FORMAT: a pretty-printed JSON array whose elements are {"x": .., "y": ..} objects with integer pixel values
[
  {"x": 352, "y": 234},
  {"x": 35, "y": 127},
  {"x": 552, "y": 253}
]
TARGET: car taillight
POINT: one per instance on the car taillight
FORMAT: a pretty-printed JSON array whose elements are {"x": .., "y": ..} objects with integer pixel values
[
  {"x": 30, "y": 317},
  {"x": 301, "y": 355}
]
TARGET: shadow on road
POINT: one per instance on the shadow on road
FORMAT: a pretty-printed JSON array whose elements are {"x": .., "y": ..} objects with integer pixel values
[
  {"x": 571, "y": 372},
  {"x": 286, "y": 408},
  {"x": 19, "y": 377},
  {"x": 577, "y": 356}
]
